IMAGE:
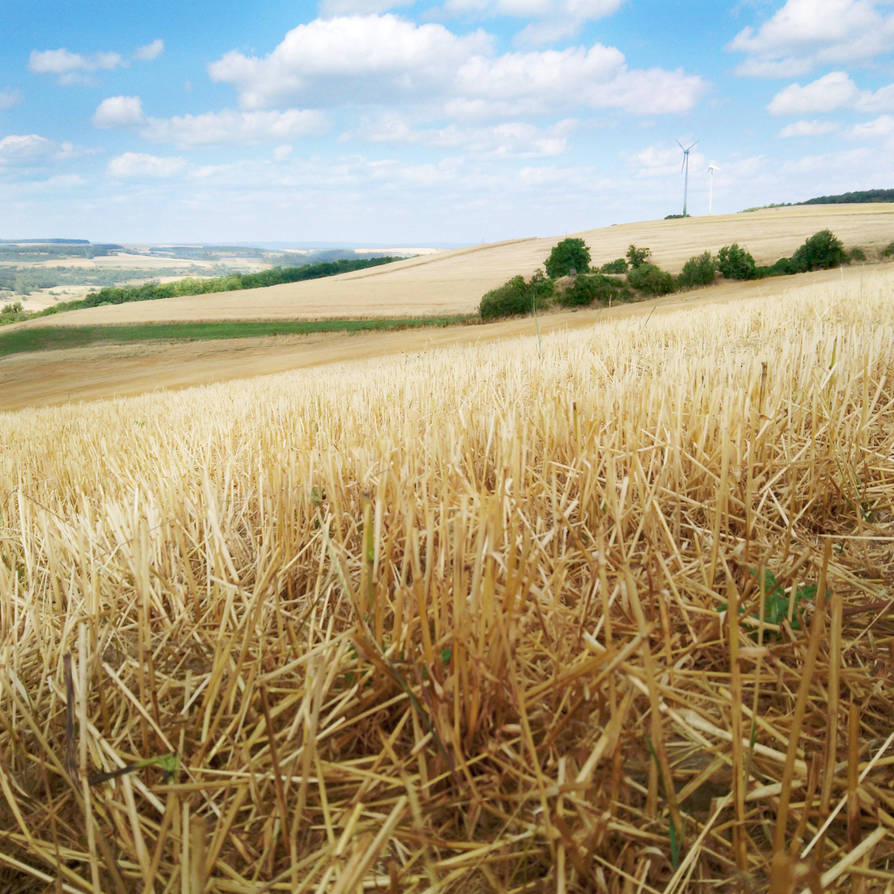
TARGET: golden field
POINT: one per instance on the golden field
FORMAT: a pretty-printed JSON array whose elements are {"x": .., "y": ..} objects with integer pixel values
[
  {"x": 454, "y": 281},
  {"x": 484, "y": 616}
]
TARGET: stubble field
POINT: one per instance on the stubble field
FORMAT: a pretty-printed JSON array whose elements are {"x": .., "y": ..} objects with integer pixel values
[{"x": 610, "y": 610}]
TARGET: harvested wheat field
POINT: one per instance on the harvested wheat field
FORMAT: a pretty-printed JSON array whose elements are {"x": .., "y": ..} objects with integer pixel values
[
  {"x": 454, "y": 281},
  {"x": 608, "y": 611}
]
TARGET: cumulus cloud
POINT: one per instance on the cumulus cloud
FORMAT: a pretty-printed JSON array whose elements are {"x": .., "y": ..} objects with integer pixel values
[
  {"x": 377, "y": 59},
  {"x": 150, "y": 51},
  {"x": 25, "y": 149},
  {"x": 229, "y": 126},
  {"x": 508, "y": 140},
  {"x": 119, "y": 111},
  {"x": 138, "y": 166},
  {"x": 879, "y": 128},
  {"x": 826, "y": 94},
  {"x": 808, "y": 129},
  {"x": 830, "y": 93},
  {"x": 71, "y": 68},
  {"x": 10, "y": 98},
  {"x": 803, "y": 35}
]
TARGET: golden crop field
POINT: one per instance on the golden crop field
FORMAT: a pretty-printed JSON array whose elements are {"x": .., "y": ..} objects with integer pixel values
[{"x": 607, "y": 610}]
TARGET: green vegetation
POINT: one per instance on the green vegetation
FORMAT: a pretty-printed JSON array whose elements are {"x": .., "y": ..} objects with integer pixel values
[
  {"x": 856, "y": 255},
  {"x": 232, "y": 283},
  {"x": 888, "y": 250},
  {"x": 698, "y": 271},
  {"x": 650, "y": 279},
  {"x": 569, "y": 255},
  {"x": 619, "y": 265},
  {"x": 736, "y": 263},
  {"x": 638, "y": 256},
  {"x": 12, "y": 313},
  {"x": 582, "y": 291},
  {"x": 51, "y": 249},
  {"x": 44, "y": 338},
  {"x": 860, "y": 197},
  {"x": 820, "y": 252},
  {"x": 516, "y": 297},
  {"x": 778, "y": 605}
]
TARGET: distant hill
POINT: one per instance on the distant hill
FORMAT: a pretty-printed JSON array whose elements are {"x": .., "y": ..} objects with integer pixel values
[{"x": 863, "y": 196}]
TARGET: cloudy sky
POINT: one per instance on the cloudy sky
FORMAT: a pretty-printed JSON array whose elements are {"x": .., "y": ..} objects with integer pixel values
[{"x": 412, "y": 121}]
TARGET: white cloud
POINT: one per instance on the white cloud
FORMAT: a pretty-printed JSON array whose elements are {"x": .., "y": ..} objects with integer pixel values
[
  {"x": 832, "y": 91},
  {"x": 377, "y": 59},
  {"x": 119, "y": 111},
  {"x": 879, "y": 128},
  {"x": 508, "y": 140},
  {"x": 71, "y": 68},
  {"x": 357, "y": 58},
  {"x": 229, "y": 126},
  {"x": 282, "y": 153},
  {"x": 805, "y": 34},
  {"x": 25, "y": 149},
  {"x": 137, "y": 166},
  {"x": 808, "y": 129},
  {"x": 150, "y": 51},
  {"x": 10, "y": 98}
]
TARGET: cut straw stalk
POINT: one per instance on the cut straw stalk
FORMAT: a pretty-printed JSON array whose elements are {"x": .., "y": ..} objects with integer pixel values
[{"x": 505, "y": 508}]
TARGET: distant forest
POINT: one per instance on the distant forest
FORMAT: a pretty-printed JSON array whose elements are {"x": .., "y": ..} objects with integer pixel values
[{"x": 862, "y": 196}]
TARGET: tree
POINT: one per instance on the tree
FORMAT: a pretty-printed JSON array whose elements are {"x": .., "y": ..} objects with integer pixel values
[
  {"x": 638, "y": 256},
  {"x": 821, "y": 251},
  {"x": 568, "y": 255},
  {"x": 736, "y": 263},
  {"x": 698, "y": 271}
]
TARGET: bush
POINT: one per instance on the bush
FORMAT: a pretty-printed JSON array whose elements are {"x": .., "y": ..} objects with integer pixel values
[
  {"x": 584, "y": 290},
  {"x": 855, "y": 255},
  {"x": 888, "y": 250},
  {"x": 638, "y": 256},
  {"x": 820, "y": 252},
  {"x": 698, "y": 271},
  {"x": 619, "y": 265},
  {"x": 736, "y": 263},
  {"x": 568, "y": 255},
  {"x": 515, "y": 297},
  {"x": 783, "y": 267},
  {"x": 650, "y": 279}
]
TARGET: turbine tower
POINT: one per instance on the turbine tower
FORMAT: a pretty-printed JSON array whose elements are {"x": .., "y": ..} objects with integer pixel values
[
  {"x": 685, "y": 169},
  {"x": 711, "y": 169}
]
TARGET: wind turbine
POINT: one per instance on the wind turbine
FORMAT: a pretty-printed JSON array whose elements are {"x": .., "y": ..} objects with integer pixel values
[
  {"x": 711, "y": 169},
  {"x": 685, "y": 169}
]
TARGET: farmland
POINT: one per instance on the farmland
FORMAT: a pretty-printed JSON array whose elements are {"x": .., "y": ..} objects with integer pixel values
[{"x": 466, "y": 609}]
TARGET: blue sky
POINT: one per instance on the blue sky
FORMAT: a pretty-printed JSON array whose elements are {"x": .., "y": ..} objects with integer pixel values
[{"x": 411, "y": 122}]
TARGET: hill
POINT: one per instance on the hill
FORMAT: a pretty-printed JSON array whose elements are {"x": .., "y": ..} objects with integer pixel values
[{"x": 454, "y": 281}]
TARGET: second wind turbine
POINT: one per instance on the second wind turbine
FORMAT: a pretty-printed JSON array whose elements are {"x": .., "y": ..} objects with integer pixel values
[{"x": 685, "y": 169}]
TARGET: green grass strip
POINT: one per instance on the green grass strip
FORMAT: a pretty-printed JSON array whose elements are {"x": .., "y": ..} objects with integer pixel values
[{"x": 51, "y": 338}]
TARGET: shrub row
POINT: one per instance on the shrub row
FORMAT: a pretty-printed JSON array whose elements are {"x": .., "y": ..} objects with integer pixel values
[{"x": 571, "y": 258}]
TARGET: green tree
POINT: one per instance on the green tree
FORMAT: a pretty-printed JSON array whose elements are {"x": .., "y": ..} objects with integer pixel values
[
  {"x": 698, "y": 271},
  {"x": 736, "y": 263},
  {"x": 638, "y": 256},
  {"x": 820, "y": 252},
  {"x": 569, "y": 254},
  {"x": 650, "y": 279}
]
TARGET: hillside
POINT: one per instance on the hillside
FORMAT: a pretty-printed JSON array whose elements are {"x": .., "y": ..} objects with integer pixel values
[
  {"x": 607, "y": 610},
  {"x": 454, "y": 281}
]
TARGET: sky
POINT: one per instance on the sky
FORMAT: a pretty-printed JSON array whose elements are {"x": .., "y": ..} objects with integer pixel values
[{"x": 417, "y": 122}]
